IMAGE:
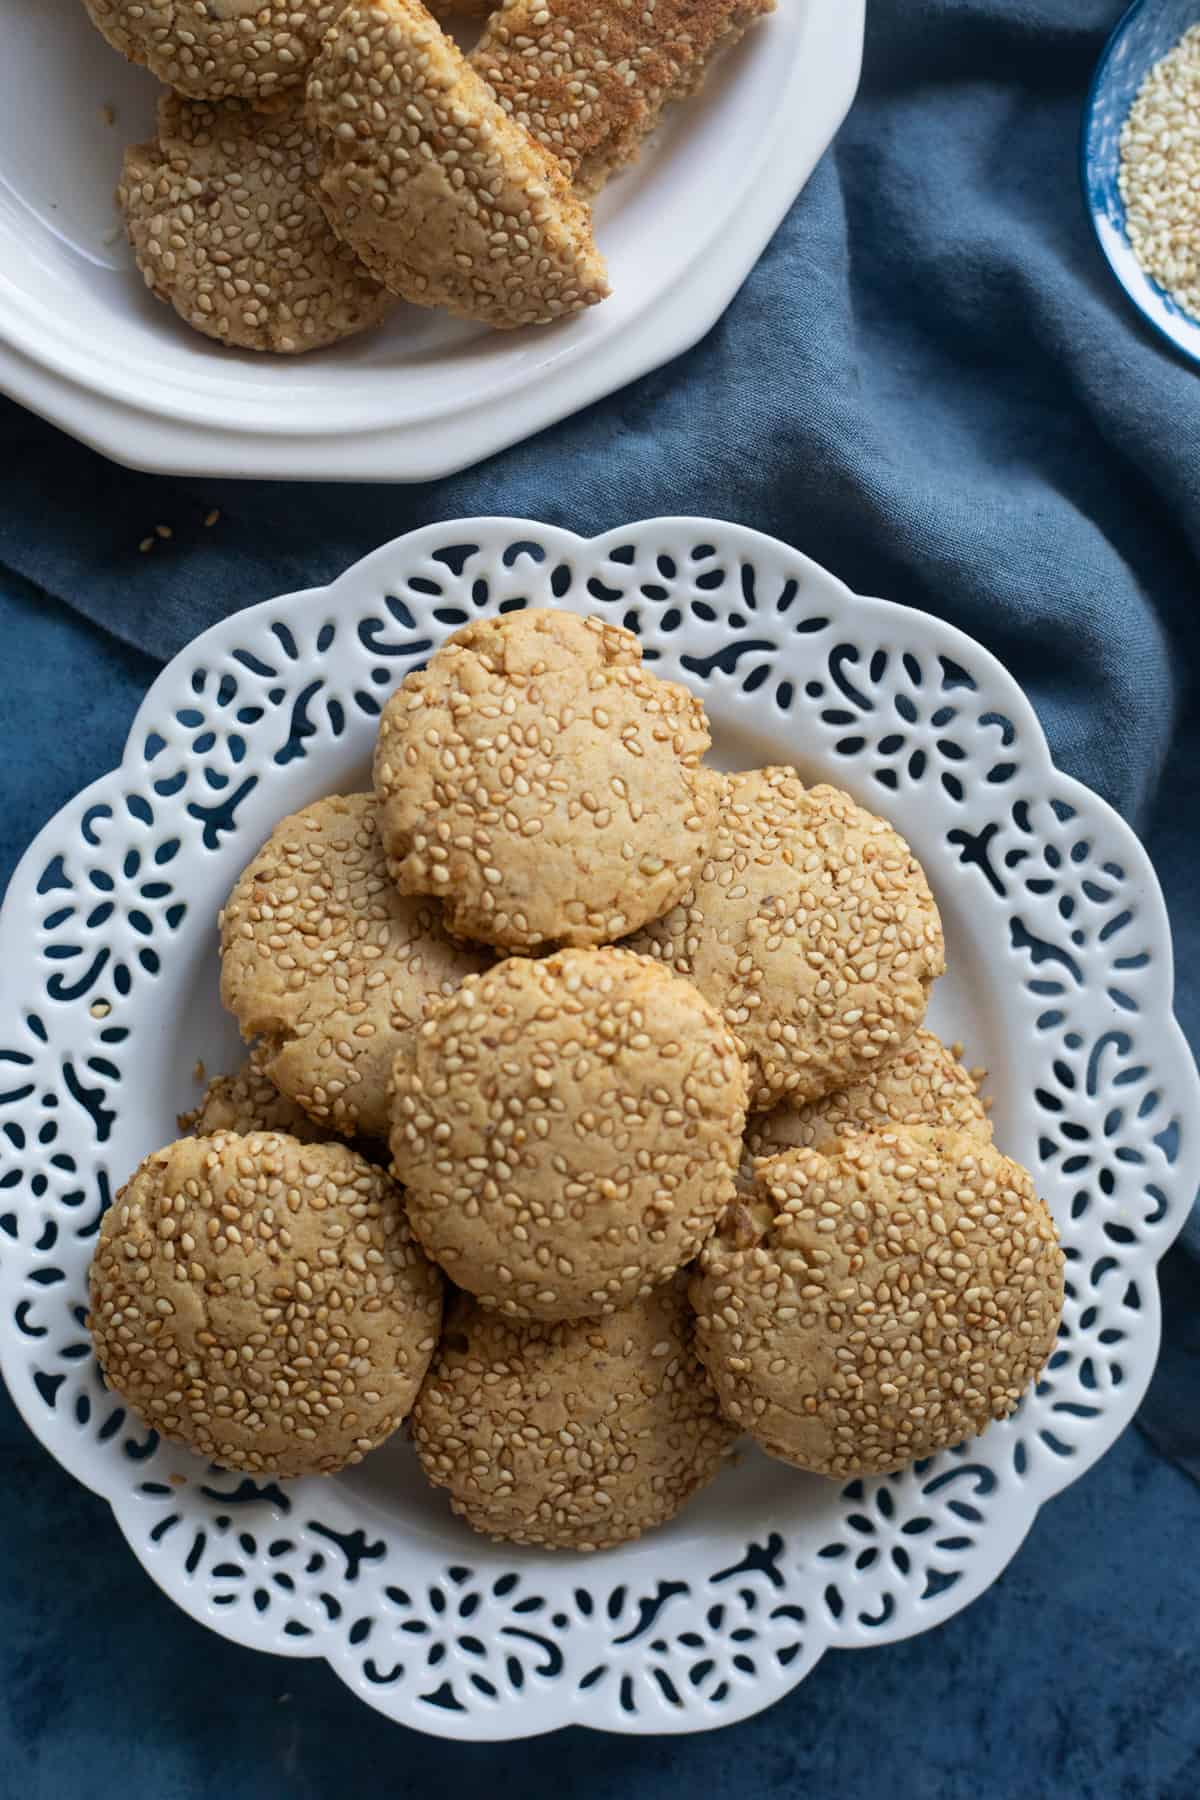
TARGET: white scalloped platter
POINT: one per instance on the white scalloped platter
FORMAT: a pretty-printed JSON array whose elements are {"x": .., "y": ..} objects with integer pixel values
[
  {"x": 85, "y": 345},
  {"x": 1059, "y": 983}
]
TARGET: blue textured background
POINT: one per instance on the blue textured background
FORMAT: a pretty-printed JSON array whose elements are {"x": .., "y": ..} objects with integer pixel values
[{"x": 931, "y": 384}]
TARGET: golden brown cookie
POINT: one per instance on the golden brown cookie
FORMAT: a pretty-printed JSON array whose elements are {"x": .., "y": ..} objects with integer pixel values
[
  {"x": 812, "y": 928},
  {"x": 263, "y": 1302},
  {"x": 328, "y": 966},
  {"x": 574, "y": 1436},
  {"x": 249, "y": 1101},
  {"x": 923, "y": 1084},
  {"x": 212, "y": 49},
  {"x": 447, "y": 200},
  {"x": 543, "y": 783},
  {"x": 878, "y": 1304},
  {"x": 221, "y": 211},
  {"x": 589, "y": 78},
  {"x": 568, "y": 1131}
]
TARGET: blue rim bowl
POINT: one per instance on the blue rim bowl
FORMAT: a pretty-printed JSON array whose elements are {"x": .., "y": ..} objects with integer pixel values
[{"x": 1146, "y": 32}]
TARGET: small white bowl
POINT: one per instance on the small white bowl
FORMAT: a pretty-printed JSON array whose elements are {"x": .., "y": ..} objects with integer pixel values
[
  {"x": 83, "y": 343},
  {"x": 1059, "y": 982}
]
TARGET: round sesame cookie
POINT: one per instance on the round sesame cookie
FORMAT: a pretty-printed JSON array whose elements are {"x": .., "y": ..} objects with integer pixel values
[
  {"x": 568, "y": 1130},
  {"x": 328, "y": 967},
  {"x": 446, "y": 199},
  {"x": 574, "y": 1436},
  {"x": 812, "y": 928},
  {"x": 874, "y": 1305},
  {"x": 216, "y": 49},
  {"x": 923, "y": 1084},
  {"x": 541, "y": 781},
  {"x": 221, "y": 213},
  {"x": 263, "y": 1302}
]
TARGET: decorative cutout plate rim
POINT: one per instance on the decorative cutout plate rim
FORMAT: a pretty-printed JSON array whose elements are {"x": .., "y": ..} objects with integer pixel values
[{"x": 428, "y": 1624}]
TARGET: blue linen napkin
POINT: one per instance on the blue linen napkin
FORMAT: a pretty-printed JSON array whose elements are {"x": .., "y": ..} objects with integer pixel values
[{"x": 931, "y": 384}]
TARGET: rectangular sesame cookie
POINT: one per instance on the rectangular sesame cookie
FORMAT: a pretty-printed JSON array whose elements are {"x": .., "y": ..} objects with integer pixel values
[{"x": 589, "y": 78}]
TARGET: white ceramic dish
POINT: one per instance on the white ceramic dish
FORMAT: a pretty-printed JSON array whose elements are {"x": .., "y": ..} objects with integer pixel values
[
  {"x": 84, "y": 344},
  {"x": 1059, "y": 982}
]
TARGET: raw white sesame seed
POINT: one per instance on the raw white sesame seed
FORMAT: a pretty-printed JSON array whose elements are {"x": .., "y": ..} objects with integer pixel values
[{"x": 1159, "y": 175}]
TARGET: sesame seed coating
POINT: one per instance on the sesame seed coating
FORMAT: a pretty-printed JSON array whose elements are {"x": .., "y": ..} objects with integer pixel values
[
  {"x": 570, "y": 1436},
  {"x": 589, "y": 78},
  {"x": 544, "y": 783},
  {"x": 1159, "y": 173},
  {"x": 212, "y": 49},
  {"x": 328, "y": 966},
  {"x": 923, "y": 1084},
  {"x": 874, "y": 1305},
  {"x": 263, "y": 1302},
  {"x": 249, "y": 1101},
  {"x": 221, "y": 211},
  {"x": 446, "y": 199},
  {"x": 812, "y": 928},
  {"x": 568, "y": 1130}
]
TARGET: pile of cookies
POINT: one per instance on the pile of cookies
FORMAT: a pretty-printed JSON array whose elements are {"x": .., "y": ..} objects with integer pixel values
[
  {"x": 316, "y": 162},
  {"x": 626, "y": 1059}
]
